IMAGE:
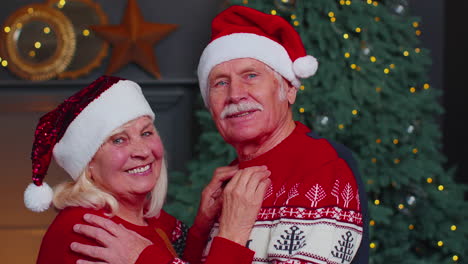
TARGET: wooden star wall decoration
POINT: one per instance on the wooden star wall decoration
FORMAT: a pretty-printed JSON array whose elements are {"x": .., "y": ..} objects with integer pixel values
[{"x": 133, "y": 40}]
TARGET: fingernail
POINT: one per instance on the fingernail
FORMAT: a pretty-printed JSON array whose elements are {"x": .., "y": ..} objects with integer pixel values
[
  {"x": 73, "y": 245},
  {"x": 87, "y": 217},
  {"x": 76, "y": 227}
]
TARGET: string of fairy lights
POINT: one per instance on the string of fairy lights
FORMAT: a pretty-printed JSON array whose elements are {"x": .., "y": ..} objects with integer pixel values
[{"x": 386, "y": 70}]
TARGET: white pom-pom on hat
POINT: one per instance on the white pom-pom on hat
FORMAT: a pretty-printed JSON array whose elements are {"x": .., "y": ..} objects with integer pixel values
[
  {"x": 305, "y": 67},
  {"x": 38, "y": 198}
]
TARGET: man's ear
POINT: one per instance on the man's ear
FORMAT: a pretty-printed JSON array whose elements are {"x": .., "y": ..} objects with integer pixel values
[{"x": 291, "y": 93}]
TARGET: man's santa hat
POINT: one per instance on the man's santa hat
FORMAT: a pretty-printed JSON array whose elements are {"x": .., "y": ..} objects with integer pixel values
[
  {"x": 73, "y": 132},
  {"x": 243, "y": 32}
]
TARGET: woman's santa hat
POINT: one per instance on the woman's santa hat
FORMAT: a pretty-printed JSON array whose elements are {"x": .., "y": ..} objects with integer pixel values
[
  {"x": 243, "y": 32},
  {"x": 73, "y": 132}
]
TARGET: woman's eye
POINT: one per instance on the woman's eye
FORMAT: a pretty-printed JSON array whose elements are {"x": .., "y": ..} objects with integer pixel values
[
  {"x": 118, "y": 140},
  {"x": 147, "y": 133}
]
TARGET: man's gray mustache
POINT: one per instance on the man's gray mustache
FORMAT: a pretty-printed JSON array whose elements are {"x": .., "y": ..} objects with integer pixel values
[{"x": 240, "y": 107}]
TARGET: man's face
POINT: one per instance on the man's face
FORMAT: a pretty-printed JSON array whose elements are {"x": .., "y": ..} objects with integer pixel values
[{"x": 248, "y": 101}]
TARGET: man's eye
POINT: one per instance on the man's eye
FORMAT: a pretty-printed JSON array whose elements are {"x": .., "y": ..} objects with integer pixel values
[
  {"x": 251, "y": 75},
  {"x": 221, "y": 83}
]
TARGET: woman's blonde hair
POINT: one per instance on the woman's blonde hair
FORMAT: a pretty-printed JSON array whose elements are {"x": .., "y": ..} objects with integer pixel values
[{"x": 83, "y": 192}]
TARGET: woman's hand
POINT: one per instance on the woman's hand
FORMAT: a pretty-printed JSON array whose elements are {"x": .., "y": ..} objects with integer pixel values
[
  {"x": 242, "y": 199},
  {"x": 211, "y": 199},
  {"x": 120, "y": 245}
]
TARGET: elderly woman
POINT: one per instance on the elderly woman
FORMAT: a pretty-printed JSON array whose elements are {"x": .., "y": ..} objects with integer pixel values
[{"x": 104, "y": 138}]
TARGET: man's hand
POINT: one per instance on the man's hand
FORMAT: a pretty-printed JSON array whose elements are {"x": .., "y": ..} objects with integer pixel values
[
  {"x": 120, "y": 245},
  {"x": 242, "y": 199},
  {"x": 211, "y": 199}
]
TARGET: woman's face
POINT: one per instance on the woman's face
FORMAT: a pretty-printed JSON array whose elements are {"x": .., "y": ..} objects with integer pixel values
[{"x": 128, "y": 164}]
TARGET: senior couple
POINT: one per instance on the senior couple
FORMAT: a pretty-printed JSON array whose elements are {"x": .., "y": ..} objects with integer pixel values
[{"x": 289, "y": 197}]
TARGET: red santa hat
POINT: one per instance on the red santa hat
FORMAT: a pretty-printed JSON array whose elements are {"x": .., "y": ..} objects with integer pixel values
[
  {"x": 243, "y": 32},
  {"x": 73, "y": 132}
]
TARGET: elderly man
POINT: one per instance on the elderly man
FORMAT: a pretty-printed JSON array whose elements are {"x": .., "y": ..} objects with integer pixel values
[
  {"x": 315, "y": 209},
  {"x": 249, "y": 74}
]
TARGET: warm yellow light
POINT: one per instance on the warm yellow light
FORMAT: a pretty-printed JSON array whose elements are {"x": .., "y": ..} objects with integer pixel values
[
  {"x": 61, "y": 3},
  {"x": 412, "y": 89},
  {"x": 245, "y": 2},
  {"x": 417, "y": 50},
  {"x": 7, "y": 29},
  {"x": 369, "y": 2},
  {"x": 406, "y": 53},
  {"x": 296, "y": 23},
  {"x": 392, "y": 66},
  {"x": 378, "y": 141},
  {"x": 453, "y": 227},
  {"x": 345, "y": 36},
  {"x": 377, "y": 202},
  {"x": 348, "y": 2},
  {"x": 378, "y": 89},
  {"x": 440, "y": 243},
  {"x": 341, "y": 126},
  {"x": 32, "y": 53},
  {"x": 426, "y": 86},
  {"x": 353, "y": 66},
  {"x": 331, "y": 14},
  {"x": 284, "y": 1},
  {"x": 395, "y": 141},
  {"x": 377, "y": 19},
  {"x": 372, "y": 222},
  {"x": 46, "y": 30},
  {"x": 440, "y": 187},
  {"x": 37, "y": 45},
  {"x": 374, "y": 160},
  {"x": 372, "y": 245},
  {"x": 358, "y": 29},
  {"x": 373, "y": 59},
  {"x": 342, "y": 2},
  {"x": 415, "y": 150},
  {"x": 418, "y": 32},
  {"x": 293, "y": 16},
  {"x": 86, "y": 32},
  {"x": 301, "y": 110},
  {"x": 401, "y": 206},
  {"x": 333, "y": 19},
  {"x": 354, "y": 112},
  {"x": 4, "y": 63},
  {"x": 375, "y": 3},
  {"x": 455, "y": 258},
  {"x": 302, "y": 87},
  {"x": 396, "y": 161},
  {"x": 273, "y": 12},
  {"x": 30, "y": 10},
  {"x": 429, "y": 180},
  {"x": 411, "y": 227},
  {"x": 386, "y": 70},
  {"x": 19, "y": 25},
  {"x": 347, "y": 55}
]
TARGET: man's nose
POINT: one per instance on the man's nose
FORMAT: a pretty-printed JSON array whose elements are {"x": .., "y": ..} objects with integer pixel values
[{"x": 238, "y": 91}]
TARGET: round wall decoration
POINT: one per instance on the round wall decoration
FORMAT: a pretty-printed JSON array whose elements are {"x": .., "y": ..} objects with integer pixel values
[{"x": 38, "y": 41}]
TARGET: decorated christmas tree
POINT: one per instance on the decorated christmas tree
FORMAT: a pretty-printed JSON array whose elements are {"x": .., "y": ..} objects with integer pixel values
[{"x": 372, "y": 94}]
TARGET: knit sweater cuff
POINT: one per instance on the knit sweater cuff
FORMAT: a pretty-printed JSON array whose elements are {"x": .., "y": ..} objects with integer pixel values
[{"x": 229, "y": 252}]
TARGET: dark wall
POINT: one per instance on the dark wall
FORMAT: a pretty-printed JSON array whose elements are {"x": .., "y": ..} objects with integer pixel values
[{"x": 456, "y": 88}]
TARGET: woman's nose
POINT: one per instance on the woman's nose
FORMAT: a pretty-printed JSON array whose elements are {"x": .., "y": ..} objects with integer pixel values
[{"x": 140, "y": 149}]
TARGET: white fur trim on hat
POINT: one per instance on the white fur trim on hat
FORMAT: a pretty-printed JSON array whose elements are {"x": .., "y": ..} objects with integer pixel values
[
  {"x": 305, "y": 66},
  {"x": 244, "y": 45},
  {"x": 38, "y": 198},
  {"x": 119, "y": 104}
]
